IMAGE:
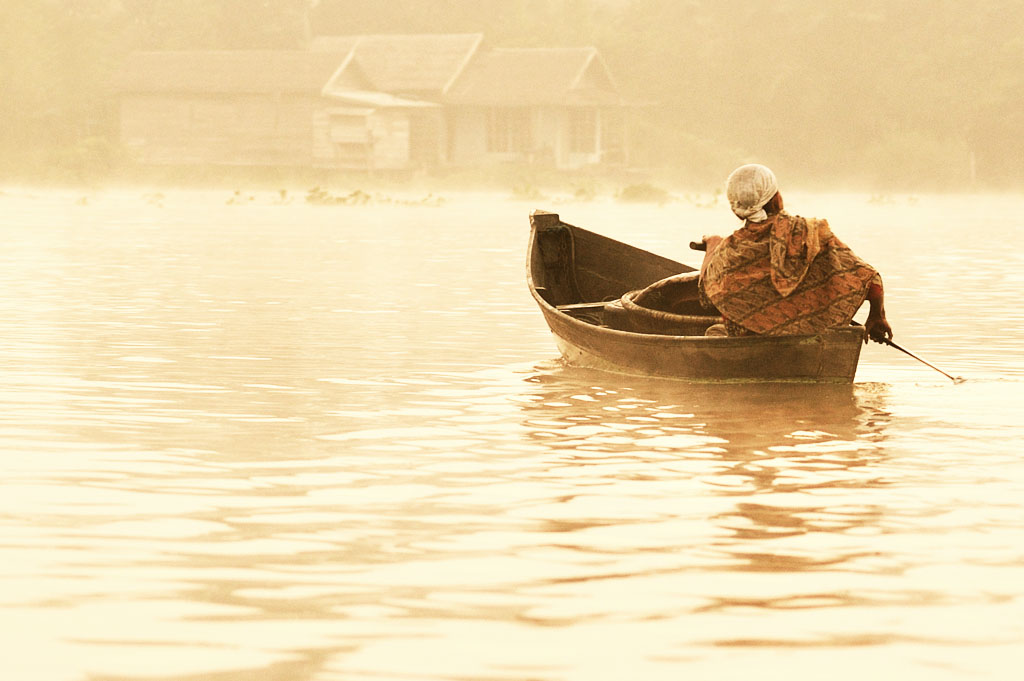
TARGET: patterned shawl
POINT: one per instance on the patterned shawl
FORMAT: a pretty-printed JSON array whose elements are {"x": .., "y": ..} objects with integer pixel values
[{"x": 786, "y": 275}]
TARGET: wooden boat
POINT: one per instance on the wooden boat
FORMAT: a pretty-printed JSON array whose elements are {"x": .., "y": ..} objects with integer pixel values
[{"x": 615, "y": 307}]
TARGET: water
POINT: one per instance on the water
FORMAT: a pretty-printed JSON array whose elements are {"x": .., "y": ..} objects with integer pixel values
[{"x": 282, "y": 441}]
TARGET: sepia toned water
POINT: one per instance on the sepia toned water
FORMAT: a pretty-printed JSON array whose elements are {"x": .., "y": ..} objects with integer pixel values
[{"x": 283, "y": 441}]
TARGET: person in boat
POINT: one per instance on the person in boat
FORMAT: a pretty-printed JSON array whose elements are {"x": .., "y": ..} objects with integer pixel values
[{"x": 780, "y": 274}]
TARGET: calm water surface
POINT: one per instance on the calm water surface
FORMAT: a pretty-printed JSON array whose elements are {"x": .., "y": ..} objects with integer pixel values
[{"x": 290, "y": 442}]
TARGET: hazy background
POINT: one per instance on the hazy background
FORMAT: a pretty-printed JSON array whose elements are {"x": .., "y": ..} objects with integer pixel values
[{"x": 860, "y": 94}]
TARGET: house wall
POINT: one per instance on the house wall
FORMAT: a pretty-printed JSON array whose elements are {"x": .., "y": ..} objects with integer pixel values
[
  {"x": 212, "y": 129},
  {"x": 389, "y": 131},
  {"x": 575, "y": 158},
  {"x": 341, "y": 137},
  {"x": 467, "y": 136},
  {"x": 261, "y": 130},
  {"x": 428, "y": 144},
  {"x": 550, "y": 133},
  {"x": 614, "y": 136},
  {"x": 155, "y": 129},
  {"x": 361, "y": 138},
  {"x": 549, "y": 138},
  {"x": 301, "y": 130}
]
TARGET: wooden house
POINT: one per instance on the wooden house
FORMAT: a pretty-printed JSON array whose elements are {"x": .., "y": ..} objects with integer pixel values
[
  {"x": 238, "y": 107},
  {"x": 373, "y": 102}
]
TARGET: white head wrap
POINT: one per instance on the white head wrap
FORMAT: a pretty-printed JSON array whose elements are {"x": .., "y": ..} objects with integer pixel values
[{"x": 748, "y": 188}]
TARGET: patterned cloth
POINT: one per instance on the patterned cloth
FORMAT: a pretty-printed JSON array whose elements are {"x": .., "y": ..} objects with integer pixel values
[{"x": 786, "y": 275}]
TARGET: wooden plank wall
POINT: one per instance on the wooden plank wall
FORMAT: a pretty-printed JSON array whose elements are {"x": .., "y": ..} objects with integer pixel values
[
  {"x": 233, "y": 130},
  {"x": 255, "y": 130}
]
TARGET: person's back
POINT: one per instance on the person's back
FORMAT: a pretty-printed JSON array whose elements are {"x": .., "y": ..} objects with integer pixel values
[{"x": 781, "y": 274}]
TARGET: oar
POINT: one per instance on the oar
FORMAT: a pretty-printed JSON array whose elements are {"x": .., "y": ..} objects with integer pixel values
[{"x": 955, "y": 379}]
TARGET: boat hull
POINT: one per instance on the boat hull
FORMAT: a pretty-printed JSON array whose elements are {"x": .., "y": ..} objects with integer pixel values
[{"x": 829, "y": 357}]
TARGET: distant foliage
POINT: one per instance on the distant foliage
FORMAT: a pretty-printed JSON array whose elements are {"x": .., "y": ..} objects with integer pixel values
[
  {"x": 870, "y": 92},
  {"x": 644, "y": 193},
  {"x": 321, "y": 197}
]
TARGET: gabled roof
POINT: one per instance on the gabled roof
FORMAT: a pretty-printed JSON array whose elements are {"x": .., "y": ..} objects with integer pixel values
[
  {"x": 229, "y": 71},
  {"x": 532, "y": 76},
  {"x": 333, "y": 43},
  {"x": 379, "y": 100},
  {"x": 439, "y": 67},
  {"x": 425, "y": 64}
]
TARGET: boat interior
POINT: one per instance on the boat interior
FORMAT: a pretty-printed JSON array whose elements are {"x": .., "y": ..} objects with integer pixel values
[{"x": 607, "y": 283}]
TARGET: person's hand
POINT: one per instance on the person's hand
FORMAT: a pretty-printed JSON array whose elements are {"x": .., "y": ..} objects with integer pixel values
[
  {"x": 711, "y": 241},
  {"x": 877, "y": 328},
  {"x": 710, "y": 244}
]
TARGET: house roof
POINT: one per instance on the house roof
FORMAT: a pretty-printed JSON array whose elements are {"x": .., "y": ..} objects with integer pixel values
[
  {"x": 379, "y": 100},
  {"x": 409, "y": 64},
  {"x": 533, "y": 76},
  {"x": 438, "y": 67},
  {"x": 229, "y": 71},
  {"x": 333, "y": 43}
]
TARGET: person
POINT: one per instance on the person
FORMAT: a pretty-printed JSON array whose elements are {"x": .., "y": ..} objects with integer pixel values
[{"x": 780, "y": 274}]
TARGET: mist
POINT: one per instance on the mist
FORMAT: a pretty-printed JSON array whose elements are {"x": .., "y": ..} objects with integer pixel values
[{"x": 867, "y": 94}]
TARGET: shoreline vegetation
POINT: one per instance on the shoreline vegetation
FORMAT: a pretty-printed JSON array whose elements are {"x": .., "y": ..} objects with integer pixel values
[
  {"x": 283, "y": 187},
  {"x": 328, "y": 186},
  {"x": 99, "y": 163},
  {"x": 359, "y": 190},
  {"x": 436, "y": 187}
]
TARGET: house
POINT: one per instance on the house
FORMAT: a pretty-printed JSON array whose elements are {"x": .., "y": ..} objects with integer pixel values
[
  {"x": 374, "y": 102},
  {"x": 222, "y": 107}
]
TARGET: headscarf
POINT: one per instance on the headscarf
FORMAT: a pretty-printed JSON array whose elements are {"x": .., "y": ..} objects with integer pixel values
[{"x": 748, "y": 189}]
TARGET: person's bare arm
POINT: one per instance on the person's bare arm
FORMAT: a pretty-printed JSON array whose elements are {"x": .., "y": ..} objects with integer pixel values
[{"x": 876, "y": 327}]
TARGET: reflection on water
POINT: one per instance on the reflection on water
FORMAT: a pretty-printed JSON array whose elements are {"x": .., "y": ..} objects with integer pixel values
[
  {"x": 744, "y": 445},
  {"x": 269, "y": 443}
]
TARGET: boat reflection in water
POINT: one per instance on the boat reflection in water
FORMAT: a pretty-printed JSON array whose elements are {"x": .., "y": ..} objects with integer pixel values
[{"x": 750, "y": 475}]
